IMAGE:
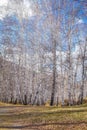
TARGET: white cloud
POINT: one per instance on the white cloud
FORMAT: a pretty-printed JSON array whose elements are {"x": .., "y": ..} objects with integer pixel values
[
  {"x": 3, "y": 12},
  {"x": 3, "y": 2},
  {"x": 22, "y": 10},
  {"x": 3, "y": 5},
  {"x": 79, "y": 21},
  {"x": 27, "y": 8}
]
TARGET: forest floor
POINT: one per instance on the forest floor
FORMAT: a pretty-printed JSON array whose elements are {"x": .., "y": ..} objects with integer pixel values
[{"x": 19, "y": 117}]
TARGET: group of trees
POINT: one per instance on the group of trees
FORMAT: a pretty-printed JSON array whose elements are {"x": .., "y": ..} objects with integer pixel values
[{"x": 48, "y": 61}]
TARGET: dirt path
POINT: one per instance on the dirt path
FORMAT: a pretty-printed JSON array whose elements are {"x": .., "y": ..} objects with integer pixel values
[{"x": 38, "y": 118}]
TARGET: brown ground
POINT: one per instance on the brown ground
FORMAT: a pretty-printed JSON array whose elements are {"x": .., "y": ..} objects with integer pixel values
[{"x": 42, "y": 118}]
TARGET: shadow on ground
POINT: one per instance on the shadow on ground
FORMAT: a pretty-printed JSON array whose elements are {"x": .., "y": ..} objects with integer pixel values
[{"x": 35, "y": 126}]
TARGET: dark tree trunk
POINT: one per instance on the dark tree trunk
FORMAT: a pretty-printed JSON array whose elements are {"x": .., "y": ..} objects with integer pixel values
[
  {"x": 54, "y": 75},
  {"x": 82, "y": 86},
  {"x": 25, "y": 99}
]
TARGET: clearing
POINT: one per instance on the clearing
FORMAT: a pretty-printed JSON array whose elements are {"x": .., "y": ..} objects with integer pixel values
[{"x": 19, "y": 117}]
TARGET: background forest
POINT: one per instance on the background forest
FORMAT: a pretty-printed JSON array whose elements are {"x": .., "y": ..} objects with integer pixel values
[{"x": 43, "y": 51}]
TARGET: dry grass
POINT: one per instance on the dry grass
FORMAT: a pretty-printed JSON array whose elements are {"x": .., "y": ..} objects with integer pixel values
[{"x": 17, "y": 117}]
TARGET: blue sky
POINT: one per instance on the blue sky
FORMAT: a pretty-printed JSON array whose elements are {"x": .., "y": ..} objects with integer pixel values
[{"x": 10, "y": 27}]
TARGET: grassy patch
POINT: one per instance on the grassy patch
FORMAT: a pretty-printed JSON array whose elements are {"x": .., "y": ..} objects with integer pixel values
[{"x": 43, "y": 118}]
